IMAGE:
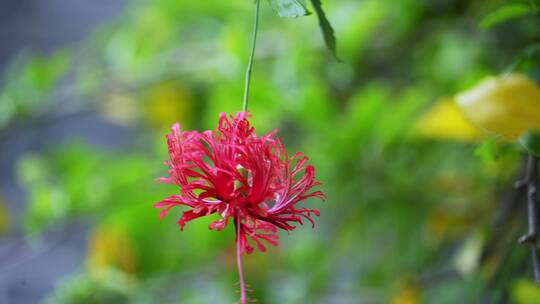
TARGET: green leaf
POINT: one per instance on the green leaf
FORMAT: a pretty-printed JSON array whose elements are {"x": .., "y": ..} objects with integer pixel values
[
  {"x": 487, "y": 151},
  {"x": 290, "y": 8},
  {"x": 506, "y": 13},
  {"x": 524, "y": 291},
  {"x": 327, "y": 30},
  {"x": 531, "y": 142},
  {"x": 525, "y": 58}
]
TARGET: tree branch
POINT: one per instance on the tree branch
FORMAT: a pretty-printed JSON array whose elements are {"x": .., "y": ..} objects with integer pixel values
[{"x": 530, "y": 182}]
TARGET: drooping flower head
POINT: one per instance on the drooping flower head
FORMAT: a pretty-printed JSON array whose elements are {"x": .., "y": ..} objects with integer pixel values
[{"x": 236, "y": 174}]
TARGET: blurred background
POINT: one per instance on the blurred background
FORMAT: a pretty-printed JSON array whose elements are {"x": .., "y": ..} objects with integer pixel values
[{"x": 421, "y": 206}]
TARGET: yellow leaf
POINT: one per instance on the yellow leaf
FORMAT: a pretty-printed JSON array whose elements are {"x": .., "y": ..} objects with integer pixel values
[
  {"x": 507, "y": 106},
  {"x": 444, "y": 120}
]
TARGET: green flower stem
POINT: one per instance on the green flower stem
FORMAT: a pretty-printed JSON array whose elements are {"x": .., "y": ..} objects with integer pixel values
[{"x": 251, "y": 56}]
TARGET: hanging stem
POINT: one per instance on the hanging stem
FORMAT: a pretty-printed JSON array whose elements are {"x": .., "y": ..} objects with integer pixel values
[
  {"x": 251, "y": 56},
  {"x": 239, "y": 260},
  {"x": 531, "y": 184}
]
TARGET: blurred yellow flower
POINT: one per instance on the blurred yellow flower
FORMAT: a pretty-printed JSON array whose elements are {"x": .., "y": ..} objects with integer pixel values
[
  {"x": 407, "y": 295},
  {"x": 507, "y": 106},
  {"x": 109, "y": 248},
  {"x": 444, "y": 120},
  {"x": 166, "y": 104}
]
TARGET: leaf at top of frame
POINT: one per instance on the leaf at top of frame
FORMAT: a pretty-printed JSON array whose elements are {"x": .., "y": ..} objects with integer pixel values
[{"x": 289, "y": 8}]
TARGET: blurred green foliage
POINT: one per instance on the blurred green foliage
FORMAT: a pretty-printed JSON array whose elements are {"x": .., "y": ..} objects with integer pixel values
[
  {"x": 29, "y": 82},
  {"x": 508, "y": 12},
  {"x": 409, "y": 218}
]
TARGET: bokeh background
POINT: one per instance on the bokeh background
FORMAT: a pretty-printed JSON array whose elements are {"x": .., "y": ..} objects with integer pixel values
[{"x": 420, "y": 208}]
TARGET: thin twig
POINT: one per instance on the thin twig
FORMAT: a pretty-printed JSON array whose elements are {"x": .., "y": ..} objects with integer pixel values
[
  {"x": 251, "y": 56},
  {"x": 530, "y": 182}
]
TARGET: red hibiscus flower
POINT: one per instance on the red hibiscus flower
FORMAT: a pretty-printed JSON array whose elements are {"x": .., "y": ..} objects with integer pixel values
[{"x": 235, "y": 173}]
